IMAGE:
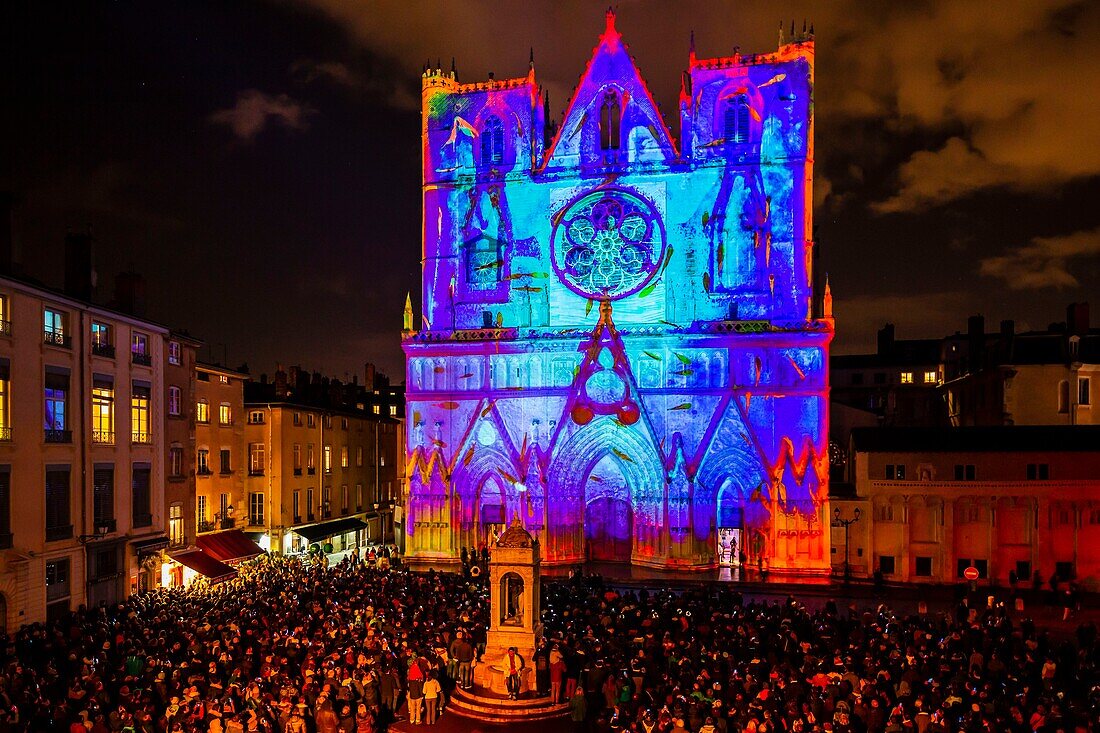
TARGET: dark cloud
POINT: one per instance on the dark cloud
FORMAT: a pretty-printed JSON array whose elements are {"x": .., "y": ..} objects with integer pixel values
[
  {"x": 956, "y": 164},
  {"x": 255, "y": 111},
  {"x": 1045, "y": 262}
]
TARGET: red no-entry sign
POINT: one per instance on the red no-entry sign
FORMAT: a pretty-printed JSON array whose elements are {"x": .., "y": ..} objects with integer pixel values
[{"x": 971, "y": 573}]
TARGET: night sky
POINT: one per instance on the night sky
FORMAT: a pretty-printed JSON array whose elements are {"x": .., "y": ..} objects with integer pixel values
[{"x": 258, "y": 162}]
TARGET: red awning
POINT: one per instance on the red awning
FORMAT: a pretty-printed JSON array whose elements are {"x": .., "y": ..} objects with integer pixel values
[
  {"x": 200, "y": 562},
  {"x": 228, "y": 546}
]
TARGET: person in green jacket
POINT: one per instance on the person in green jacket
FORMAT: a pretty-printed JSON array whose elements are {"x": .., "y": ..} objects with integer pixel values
[{"x": 578, "y": 706}]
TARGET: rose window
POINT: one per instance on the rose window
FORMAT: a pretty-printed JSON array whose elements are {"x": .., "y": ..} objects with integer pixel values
[{"x": 608, "y": 244}]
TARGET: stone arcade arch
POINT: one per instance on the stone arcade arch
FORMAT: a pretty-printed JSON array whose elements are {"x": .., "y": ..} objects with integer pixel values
[
  {"x": 630, "y": 452},
  {"x": 731, "y": 486}
]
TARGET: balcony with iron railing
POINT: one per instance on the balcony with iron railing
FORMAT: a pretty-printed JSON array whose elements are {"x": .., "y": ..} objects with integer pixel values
[
  {"x": 5, "y": 328},
  {"x": 256, "y": 520},
  {"x": 141, "y": 437},
  {"x": 105, "y": 437},
  {"x": 5, "y": 435},
  {"x": 58, "y": 436},
  {"x": 56, "y": 338},
  {"x": 105, "y": 526},
  {"x": 107, "y": 351},
  {"x": 204, "y": 471},
  {"x": 136, "y": 357},
  {"x": 205, "y": 526},
  {"x": 63, "y": 532}
]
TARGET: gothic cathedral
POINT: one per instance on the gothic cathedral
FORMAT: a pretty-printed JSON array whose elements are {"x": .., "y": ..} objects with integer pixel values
[{"x": 617, "y": 343}]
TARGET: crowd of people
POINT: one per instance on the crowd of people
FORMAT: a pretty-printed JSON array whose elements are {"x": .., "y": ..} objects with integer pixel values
[{"x": 298, "y": 646}]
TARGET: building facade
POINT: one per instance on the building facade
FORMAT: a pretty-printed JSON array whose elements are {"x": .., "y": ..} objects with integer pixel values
[
  {"x": 933, "y": 502},
  {"x": 323, "y": 467},
  {"x": 1030, "y": 378},
  {"x": 617, "y": 342},
  {"x": 81, "y": 452},
  {"x": 179, "y": 439},
  {"x": 220, "y": 461}
]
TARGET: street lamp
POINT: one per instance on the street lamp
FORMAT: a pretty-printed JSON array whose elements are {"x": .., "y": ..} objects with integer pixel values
[{"x": 846, "y": 523}]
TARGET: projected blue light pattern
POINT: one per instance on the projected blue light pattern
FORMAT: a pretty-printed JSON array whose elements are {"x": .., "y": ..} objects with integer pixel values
[{"x": 617, "y": 343}]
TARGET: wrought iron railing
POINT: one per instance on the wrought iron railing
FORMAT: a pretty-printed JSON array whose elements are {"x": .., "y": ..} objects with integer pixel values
[
  {"x": 56, "y": 338},
  {"x": 103, "y": 436},
  {"x": 58, "y": 436}
]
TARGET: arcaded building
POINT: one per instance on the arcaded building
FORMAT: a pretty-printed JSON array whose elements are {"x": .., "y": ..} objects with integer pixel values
[{"x": 617, "y": 342}]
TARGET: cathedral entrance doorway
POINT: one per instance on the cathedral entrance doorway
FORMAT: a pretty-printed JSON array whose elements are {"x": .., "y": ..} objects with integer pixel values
[
  {"x": 731, "y": 526},
  {"x": 608, "y": 515}
]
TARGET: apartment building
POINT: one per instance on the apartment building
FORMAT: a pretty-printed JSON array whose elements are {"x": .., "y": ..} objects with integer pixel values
[
  {"x": 1002, "y": 499},
  {"x": 81, "y": 452},
  {"x": 179, "y": 439},
  {"x": 322, "y": 466}
]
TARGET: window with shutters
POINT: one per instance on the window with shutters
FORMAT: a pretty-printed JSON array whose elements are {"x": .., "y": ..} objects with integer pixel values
[
  {"x": 58, "y": 523},
  {"x": 142, "y": 510},
  {"x": 5, "y": 414},
  {"x": 736, "y": 121},
  {"x": 103, "y": 494},
  {"x": 5, "y": 507}
]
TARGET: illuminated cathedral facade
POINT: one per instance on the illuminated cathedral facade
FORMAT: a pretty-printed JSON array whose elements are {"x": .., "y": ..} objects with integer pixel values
[{"x": 617, "y": 342}]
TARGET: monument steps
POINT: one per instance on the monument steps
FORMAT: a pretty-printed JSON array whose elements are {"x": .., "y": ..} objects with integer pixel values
[{"x": 494, "y": 709}]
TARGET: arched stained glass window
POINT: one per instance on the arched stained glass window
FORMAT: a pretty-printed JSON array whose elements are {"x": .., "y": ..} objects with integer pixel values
[
  {"x": 610, "y": 121},
  {"x": 736, "y": 121},
  {"x": 492, "y": 142}
]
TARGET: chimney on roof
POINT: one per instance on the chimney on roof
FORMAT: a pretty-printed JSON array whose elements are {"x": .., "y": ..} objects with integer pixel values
[
  {"x": 79, "y": 273},
  {"x": 1077, "y": 319},
  {"x": 886, "y": 340},
  {"x": 369, "y": 374},
  {"x": 281, "y": 390},
  {"x": 130, "y": 293}
]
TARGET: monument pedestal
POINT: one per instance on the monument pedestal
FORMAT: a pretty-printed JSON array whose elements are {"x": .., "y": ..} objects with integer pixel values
[{"x": 513, "y": 624}]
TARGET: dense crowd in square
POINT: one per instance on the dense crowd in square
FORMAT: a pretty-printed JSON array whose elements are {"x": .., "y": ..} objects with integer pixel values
[{"x": 296, "y": 645}]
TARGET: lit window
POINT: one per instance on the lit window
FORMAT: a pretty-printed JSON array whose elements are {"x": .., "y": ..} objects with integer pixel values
[
  {"x": 103, "y": 412},
  {"x": 174, "y": 400},
  {"x": 256, "y": 508},
  {"x": 101, "y": 337},
  {"x": 377, "y": 409},
  {"x": 174, "y": 352},
  {"x": 223, "y": 379},
  {"x": 202, "y": 462},
  {"x": 139, "y": 345},
  {"x": 139, "y": 414},
  {"x": 57, "y": 394},
  {"x": 54, "y": 326},
  {"x": 5, "y": 317},
  {"x": 175, "y": 525},
  {"x": 930, "y": 377},
  {"x": 492, "y": 142},
  {"x": 907, "y": 377},
  {"x": 200, "y": 512},
  {"x": 310, "y": 463},
  {"x": 328, "y": 459},
  {"x": 225, "y": 414},
  {"x": 344, "y": 456},
  {"x": 735, "y": 125},
  {"x": 359, "y": 456},
  {"x": 393, "y": 410},
  {"x": 610, "y": 121},
  {"x": 202, "y": 411},
  {"x": 297, "y": 458}
]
